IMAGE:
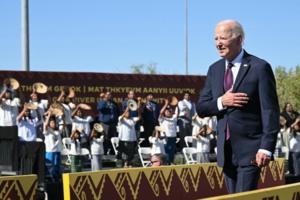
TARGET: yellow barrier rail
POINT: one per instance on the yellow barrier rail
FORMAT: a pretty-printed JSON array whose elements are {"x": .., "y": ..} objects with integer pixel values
[
  {"x": 285, "y": 192},
  {"x": 18, "y": 187}
]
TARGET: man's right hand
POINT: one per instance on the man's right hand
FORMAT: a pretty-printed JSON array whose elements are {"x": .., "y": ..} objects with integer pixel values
[{"x": 230, "y": 99}]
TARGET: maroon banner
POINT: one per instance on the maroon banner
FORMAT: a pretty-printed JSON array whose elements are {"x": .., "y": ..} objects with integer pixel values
[{"x": 88, "y": 86}]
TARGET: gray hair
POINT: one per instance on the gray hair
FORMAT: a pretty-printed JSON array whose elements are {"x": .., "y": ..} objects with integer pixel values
[{"x": 236, "y": 28}]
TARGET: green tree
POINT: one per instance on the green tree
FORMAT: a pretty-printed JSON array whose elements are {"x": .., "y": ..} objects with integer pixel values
[
  {"x": 144, "y": 68},
  {"x": 288, "y": 84}
]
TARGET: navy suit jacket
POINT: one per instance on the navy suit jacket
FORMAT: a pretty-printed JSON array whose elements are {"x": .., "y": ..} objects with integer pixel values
[{"x": 254, "y": 126}]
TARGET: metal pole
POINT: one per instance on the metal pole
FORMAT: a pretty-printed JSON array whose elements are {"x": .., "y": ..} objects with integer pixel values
[
  {"x": 186, "y": 37},
  {"x": 25, "y": 35}
]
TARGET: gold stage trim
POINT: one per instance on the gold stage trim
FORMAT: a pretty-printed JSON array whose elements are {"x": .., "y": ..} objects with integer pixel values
[
  {"x": 18, "y": 187},
  {"x": 285, "y": 192},
  {"x": 166, "y": 182}
]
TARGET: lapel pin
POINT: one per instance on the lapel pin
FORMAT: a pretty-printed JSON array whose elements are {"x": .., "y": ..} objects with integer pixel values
[{"x": 245, "y": 65}]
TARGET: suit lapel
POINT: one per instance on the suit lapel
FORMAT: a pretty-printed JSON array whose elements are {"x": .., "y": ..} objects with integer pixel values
[
  {"x": 220, "y": 80},
  {"x": 242, "y": 71}
]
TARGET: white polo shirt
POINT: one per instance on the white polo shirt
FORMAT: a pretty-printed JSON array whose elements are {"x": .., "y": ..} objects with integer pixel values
[
  {"x": 170, "y": 125},
  {"x": 97, "y": 146},
  {"x": 126, "y": 129},
  {"x": 9, "y": 110},
  {"x": 53, "y": 141},
  {"x": 27, "y": 130}
]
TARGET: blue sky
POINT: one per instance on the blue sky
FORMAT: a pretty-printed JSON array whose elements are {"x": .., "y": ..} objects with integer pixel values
[{"x": 112, "y": 35}]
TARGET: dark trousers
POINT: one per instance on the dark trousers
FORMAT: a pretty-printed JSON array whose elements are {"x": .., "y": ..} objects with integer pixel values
[
  {"x": 149, "y": 127},
  {"x": 126, "y": 150},
  {"x": 296, "y": 163},
  {"x": 170, "y": 148},
  {"x": 110, "y": 130},
  {"x": 238, "y": 178},
  {"x": 9, "y": 148},
  {"x": 185, "y": 129},
  {"x": 291, "y": 163},
  {"x": 32, "y": 159}
]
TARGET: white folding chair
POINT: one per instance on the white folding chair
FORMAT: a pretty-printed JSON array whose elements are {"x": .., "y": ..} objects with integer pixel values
[
  {"x": 115, "y": 144},
  {"x": 67, "y": 143},
  {"x": 66, "y": 152},
  {"x": 145, "y": 155},
  {"x": 66, "y": 149},
  {"x": 188, "y": 153},
  {"x": 140, "y": 140},
  {"x": 38, "y": 139},
  {"x": 188, "y": 139},
  {"x": 142, "y": 129},
  {"x": 85, "y": 152}
]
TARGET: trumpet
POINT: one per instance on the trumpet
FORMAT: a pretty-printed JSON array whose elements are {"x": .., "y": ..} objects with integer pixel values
[{"x": 11, "y": 83}]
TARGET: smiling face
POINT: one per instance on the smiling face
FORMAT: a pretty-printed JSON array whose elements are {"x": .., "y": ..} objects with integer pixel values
[{"x": 228, "y": 39}]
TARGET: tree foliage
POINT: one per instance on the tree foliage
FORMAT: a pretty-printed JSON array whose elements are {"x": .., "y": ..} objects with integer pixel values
[
  {"x": 288, "y": 84},
  {"x": 144, "y": 68}
]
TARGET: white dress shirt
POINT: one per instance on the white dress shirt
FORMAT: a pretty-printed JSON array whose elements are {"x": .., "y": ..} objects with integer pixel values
[{"x": 235, "y": 69}]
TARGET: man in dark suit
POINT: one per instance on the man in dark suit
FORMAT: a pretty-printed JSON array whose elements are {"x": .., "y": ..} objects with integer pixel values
[
  {"x": 150, "y": 113},
  {"x": 240, "y": 90}
]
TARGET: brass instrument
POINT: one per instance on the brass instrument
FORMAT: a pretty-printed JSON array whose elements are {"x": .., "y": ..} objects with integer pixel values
[
  {"x": 11, "y": 83},
  {"x": 40, "y": 88}
]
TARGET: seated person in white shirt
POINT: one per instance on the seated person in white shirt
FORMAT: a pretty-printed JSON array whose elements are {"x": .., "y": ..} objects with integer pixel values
[
  {"x": 26, "y": 125},
  {"x": 202, "y": 133},
  {"x": 9, "y": 108},
  {"x": 127, "y": 137},
  {"x": 158, "y": 142},
  {"x": 97, "y": 150},
  {"x": 168, "y": 122},
  {"x": 82, "y": 122}
]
